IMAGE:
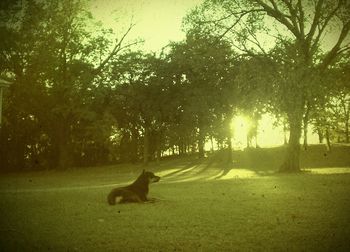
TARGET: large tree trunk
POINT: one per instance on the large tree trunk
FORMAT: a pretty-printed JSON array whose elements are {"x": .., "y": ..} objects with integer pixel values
[
  {"x": 292, "y": 158},
  {"x": 305, "y": 125}
]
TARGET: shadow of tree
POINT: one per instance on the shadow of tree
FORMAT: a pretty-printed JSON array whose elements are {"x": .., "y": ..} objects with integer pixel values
[{"x": 255, "y": 161}]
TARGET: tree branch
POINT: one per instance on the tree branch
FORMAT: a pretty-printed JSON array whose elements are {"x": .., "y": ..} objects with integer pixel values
[
  {"x": 315, "y": 21},
  {"x": 216, "y": 21},
  {"x": 301, "y": 18},
  {"x": 279, "y": 16},
  {"x": 117, "y": 48},
  {"x": 293, "y": 13},
  {"x": 336, "y": 48},
  {"x": 242, "y": 14},
  {"x": 344, "y": 49},
  {"x": 322, "y": 27},
  {"x": 254, "y": 40}
]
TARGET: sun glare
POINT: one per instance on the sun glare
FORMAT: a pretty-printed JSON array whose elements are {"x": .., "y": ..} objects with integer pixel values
[{"x": 268, "y": 134}]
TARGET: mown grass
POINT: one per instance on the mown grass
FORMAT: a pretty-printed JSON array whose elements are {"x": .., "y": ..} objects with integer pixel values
[{"x": 67, "y": 211}]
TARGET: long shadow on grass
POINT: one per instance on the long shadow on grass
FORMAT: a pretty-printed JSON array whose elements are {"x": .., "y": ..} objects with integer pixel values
[
  {"x": 215, "y": 166},
  {"x": 197, "y": 169},
  {"x": 257, "y": 162}
]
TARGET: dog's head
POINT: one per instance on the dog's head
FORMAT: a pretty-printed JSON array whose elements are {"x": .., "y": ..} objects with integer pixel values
[{"x": 150, "y": 176}]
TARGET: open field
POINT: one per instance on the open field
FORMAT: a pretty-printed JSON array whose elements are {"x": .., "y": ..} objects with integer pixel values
[{"x": 203, "y": 206}]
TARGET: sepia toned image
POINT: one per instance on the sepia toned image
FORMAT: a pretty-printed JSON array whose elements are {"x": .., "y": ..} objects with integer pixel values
[{"x": 174, "y": 125}]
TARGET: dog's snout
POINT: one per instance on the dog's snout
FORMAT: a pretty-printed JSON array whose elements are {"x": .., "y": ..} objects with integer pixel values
[{"x": 155, "y": 179}]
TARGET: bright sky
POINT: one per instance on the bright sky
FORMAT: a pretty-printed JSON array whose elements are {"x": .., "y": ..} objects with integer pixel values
[{"x": 157, "y": 21}]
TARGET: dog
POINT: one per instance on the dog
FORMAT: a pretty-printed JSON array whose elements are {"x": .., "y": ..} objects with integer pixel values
[{"x": 136, "y": 192}]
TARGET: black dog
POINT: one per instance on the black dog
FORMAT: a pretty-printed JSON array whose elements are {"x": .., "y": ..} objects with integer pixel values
[{"x": 136, "y": 192}]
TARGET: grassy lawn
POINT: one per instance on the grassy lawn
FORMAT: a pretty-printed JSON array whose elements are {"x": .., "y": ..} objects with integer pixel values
[{"x": 200, "y": 208}]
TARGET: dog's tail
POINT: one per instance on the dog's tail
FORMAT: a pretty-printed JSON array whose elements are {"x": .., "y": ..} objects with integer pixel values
[{"x": 112, "y": 196}]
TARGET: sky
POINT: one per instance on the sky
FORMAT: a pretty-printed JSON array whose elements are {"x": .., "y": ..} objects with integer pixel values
[{"x": 157, "y": 21}]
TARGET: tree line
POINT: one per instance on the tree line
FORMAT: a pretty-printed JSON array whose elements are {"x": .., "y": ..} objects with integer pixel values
[{"x": 82, "y": 95}]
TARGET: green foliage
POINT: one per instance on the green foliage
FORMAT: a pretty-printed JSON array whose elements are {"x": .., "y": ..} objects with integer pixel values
[
  {"x": 55, "y": 100},
  {"x": 205, "y": 68}
]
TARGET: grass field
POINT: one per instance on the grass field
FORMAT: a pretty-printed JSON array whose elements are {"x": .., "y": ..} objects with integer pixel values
[{"x": 203, "y": 205}]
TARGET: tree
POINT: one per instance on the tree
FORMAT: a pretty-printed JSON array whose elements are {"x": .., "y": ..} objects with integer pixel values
[
  {"x": 57, "y": 66},
  {"x": 298, "y": 26},
  {"x": 206, "y": 67},
  {"x": 140, "y": 101}
]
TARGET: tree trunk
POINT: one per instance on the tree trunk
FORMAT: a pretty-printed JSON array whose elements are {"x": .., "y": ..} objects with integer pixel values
[
  {"x": 201, "y": 144},
  {"x": 320, "y": 135},
  {"x": 16, "y": 156},
  {"x": 134, "y": 155},
  {"x": 255, "y": 126},
  {"x": 256, "y": 138},
  {"x": 305, "y": 125},
  {"x": 347, "y": 140},
  {"x": 328, "y": 140},
  {"x": 292, "y": 158},
  {"x": 146, "y": 146},
  {"x": 181, "y": 148},
  {"x": 249, "y": 139},
  {"x": 229, "y": 149},
  {"x": 158, "y": 147},
  {"x": 63, "y": 148},
  {"x": 159, "y": 155},
  {"x": 285, "y": 142},
  {"x": 212, "y": 144},
  {"x": 64, "y": 156}
]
